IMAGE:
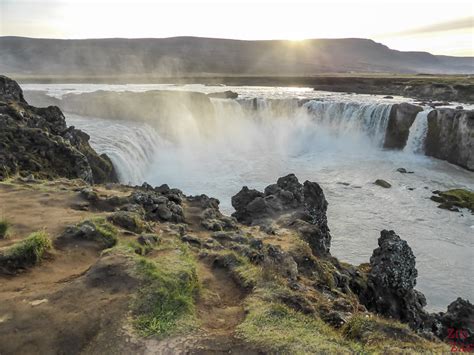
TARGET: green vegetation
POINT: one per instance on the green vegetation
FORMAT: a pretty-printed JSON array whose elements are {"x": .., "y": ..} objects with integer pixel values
[
  {"x": 277, "y": 328},
  {"x": 4, "y": 227},
  {"x": 96, "y": 229},
  {"x": 459, "y": 198},
  {"x": 388, "y": 336},
  {"x": 164, "y": 305},
  {"x": 26, "y": 253}
]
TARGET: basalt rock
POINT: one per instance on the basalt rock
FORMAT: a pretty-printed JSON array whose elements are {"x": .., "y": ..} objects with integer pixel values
[
  {"x": 457, "y": 323},
  {"x": 401, "y": 118},
  {"x": 391, "y": 282},
  {"x": 304, "y": 203},
  {"x": 37, "y": 141},
  {"x": 451, "y": 136}
]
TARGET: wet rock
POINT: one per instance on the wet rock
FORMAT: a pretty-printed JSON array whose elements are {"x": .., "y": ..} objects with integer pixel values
[
  {"x": 224, "y": 95},
  {"x": 452, "y": 199},
  {"x": 404, "y": 171},
  {"x": 382, "y": 183},
  {"x": 388, "y": 97},
  {"x": 401, "y": 119},
  {"x": 391, "y": 282},
  {"x": 450, "y": 136}
]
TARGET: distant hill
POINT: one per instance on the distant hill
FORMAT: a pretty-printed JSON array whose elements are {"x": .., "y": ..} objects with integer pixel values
[{"x": 194, "y": 55}]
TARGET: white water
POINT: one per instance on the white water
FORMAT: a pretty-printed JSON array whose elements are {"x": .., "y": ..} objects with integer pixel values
[
  {"x": 418, "y": 130},
  {"x": 333, "y": 139}
]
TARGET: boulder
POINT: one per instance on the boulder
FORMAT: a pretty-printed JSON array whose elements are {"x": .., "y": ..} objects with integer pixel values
[
  {"x": 457, "y": 323},
  {"x": 305, "y": 203},
  {"x": 450, "y": 136},
  {"x": 128, "y": 220},
  {"x": 401, "y": 118},
  {"x": 383, "y": 183}
]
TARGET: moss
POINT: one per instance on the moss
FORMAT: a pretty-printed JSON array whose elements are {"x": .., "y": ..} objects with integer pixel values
[
  {"x": 26, "y": 253},
  {"x": 97, "y": 230},
  {"x": 4, "y": 227},
  {"x": 164, "y": 305},
  {"x": 459, "y": 197},
  {"x": 277, "y": 328},
  {"x": 379, "y": 335}
]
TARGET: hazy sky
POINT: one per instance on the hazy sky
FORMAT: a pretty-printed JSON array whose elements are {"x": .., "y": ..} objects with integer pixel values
[{"x": 438, "y": 27}]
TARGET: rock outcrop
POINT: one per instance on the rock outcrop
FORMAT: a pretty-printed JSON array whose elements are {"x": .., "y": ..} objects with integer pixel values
[
  {"x": 457, "y": 323},
  {"x": 392, "y": 279},
  {"x": 37, "y": 141},
  {"x": 401, "y": 118},
  {"x": 305, "y": 205},
  {"x": 451, "y": 136}
]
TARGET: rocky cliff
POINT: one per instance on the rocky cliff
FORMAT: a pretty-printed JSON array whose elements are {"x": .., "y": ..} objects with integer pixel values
[
  {"x": 451, "y": 136},
  {"x": 401, "y": 118},
  {"x": 37, "y": 141}
]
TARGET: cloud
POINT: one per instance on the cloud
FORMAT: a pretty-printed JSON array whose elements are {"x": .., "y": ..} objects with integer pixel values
[{"x": 457, "y": 24}]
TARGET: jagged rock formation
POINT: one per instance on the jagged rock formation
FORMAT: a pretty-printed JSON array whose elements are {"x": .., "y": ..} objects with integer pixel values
[
  {"x": 37, "y": 141},
  {"x": 392, "y": 279},
  {"x": 451, "y": 136},
  {"x": 401, "y": 118},
  {"x": 304, "y": 203}
]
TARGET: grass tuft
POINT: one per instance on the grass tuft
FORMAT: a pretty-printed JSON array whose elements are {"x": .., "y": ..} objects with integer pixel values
[
  {"x": 4, "y": 227},
  {"x": 164, "y": 304},
  {"x": 26, "y": 253}
]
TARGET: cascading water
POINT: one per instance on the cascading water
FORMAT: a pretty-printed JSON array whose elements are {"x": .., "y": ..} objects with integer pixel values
[
  {"x": 231, "y": 143},
  {"x": 349, "y": 117},
  {"x": 131, "y": 146},
  {"x": 418, "y": 130}
]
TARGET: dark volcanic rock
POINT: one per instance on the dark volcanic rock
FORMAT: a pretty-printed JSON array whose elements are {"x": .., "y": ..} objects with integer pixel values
[
  {"x": 382, "y": 183},
  {"x": 224, "y": 95},
  {"x": 37, "y": 141},
  {"x": 458, "y": 318},
  {"x": 401, "y": 118},
  {"x": 304, "y": 202},
  {"x": 391, "y": 282},
  {"x": 451, "y": 136}
]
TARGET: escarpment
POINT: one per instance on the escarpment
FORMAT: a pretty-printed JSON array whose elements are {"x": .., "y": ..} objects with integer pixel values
[
  {"x": 37, "y": 141},
  {"x": 451, "y": 136}
]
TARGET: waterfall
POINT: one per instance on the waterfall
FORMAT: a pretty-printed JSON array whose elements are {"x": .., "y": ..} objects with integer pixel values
[
  {"x": 348, "y": 117},
  {"x": 418, "y": 130},
  {"x": 263, "y": 133},
  {"x": 132, "y": 147}
]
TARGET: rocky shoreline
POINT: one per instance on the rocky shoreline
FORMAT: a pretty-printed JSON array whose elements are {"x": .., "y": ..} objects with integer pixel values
[{"x": 108, "y": 268}]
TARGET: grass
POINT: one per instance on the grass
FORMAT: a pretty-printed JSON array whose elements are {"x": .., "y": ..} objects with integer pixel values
[
  {"x": 4, "y": 227},
  {"x": 164, "y": 305},
  {"x": 279, "y": 329},
  {"x": 106, "y": 233},
  {"x": 379, "y": 335},
  {"x": 26, "y": 253}
]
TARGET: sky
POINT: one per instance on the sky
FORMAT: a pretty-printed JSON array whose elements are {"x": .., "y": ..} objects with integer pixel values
[{"x": 417, "y": 25}]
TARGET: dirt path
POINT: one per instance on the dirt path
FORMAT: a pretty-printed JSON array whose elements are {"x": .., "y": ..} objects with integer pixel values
[{"x": 219, "y": 310}]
